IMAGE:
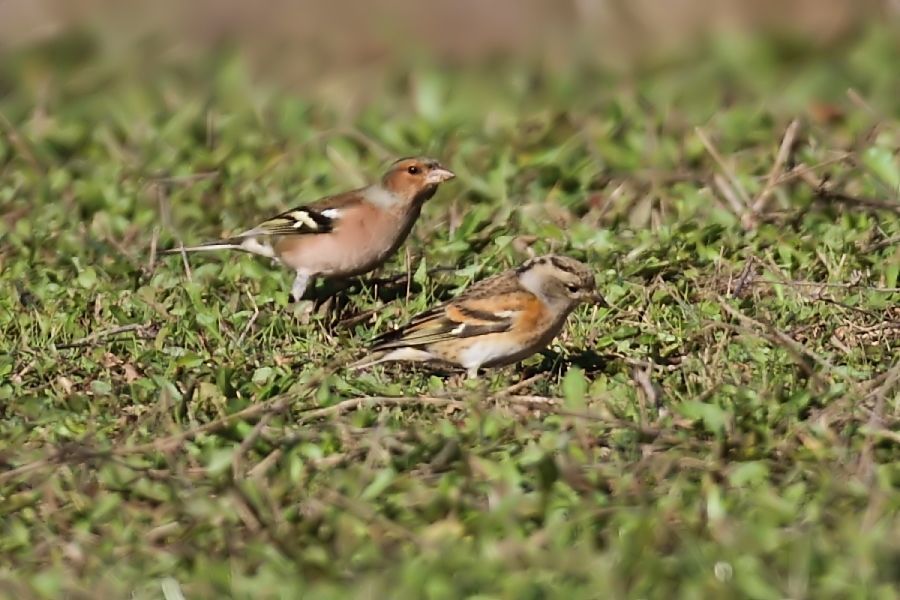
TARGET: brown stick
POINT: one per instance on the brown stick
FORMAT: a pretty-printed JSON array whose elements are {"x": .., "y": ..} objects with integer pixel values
[
  {"x": 732, "y": 178},
  {"x": 750, "y": 219},
  {"x": 105, "y": 333}
]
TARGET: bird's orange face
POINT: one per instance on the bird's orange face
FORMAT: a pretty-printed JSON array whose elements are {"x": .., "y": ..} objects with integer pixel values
[{"x": 415, "y": 179}]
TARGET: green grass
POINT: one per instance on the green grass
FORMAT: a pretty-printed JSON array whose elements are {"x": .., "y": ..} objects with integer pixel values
[{"x": 727, "y": 429}]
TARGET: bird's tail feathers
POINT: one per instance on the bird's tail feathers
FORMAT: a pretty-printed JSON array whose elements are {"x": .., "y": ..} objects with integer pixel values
[
  {"x": 231, "y": 244},
  {"x": 391, "y": 354},
  {"x": 244, "y": 244},
  {"x": 369, "y": 360}
]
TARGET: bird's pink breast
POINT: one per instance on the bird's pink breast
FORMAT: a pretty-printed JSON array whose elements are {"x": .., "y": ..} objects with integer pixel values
[{"x": 360, "y": 242}]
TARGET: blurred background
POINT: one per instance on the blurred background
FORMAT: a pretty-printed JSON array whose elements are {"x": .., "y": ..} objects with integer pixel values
[
  {"x": 297, "y": 40},
  {"x": 169, "y": 88}
]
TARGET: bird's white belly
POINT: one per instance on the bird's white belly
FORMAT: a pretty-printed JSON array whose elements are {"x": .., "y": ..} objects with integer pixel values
[
  {"x": 487, "y": 352},
  {"x": 499, "y": 350}
]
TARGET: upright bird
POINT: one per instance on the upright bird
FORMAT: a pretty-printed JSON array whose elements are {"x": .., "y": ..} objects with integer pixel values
[
  {"x": 495, "y": 322},
  {"x": 346, "y": 234}
]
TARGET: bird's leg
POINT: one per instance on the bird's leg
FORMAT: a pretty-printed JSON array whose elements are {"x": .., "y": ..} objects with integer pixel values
[
  {"x": 472, "y": 373},
  {"x": 301, "y": 281}
]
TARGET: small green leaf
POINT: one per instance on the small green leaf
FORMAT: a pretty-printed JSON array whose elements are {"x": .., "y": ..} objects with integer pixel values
[
  {"x": 219, "y": 461},
  {"x": 748, "y": 473},
  {"x": 380, "y": 483},
  {"x": 421, "y": 274},
  {"x": 262, "y": 375},
  {"x": 715, "y": 506},
  {"x": 87, "y": 278},
  {"x": 883, "y": 163},
  {"x": 574, "y": 387},
  {"x": 712, "y": 415},
  {"x": 206, "y": 319},
  {"x": 101, "y": 387},
  {"x": 891, "y": 272}
]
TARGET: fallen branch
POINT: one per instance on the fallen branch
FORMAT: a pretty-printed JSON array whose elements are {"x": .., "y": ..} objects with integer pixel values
[
  {"x": 825, "y": 194},
  {"x": 106, "y": 333},
  {"x": 354, "y": 404}
]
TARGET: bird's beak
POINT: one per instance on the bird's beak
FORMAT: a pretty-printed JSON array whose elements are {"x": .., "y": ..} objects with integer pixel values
[
  {"x": 598, "y": 299},
  {"x": 439, "y": 175}
]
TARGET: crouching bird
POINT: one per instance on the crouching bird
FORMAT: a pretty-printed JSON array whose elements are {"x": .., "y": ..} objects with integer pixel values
[
  {"x": 495, "y": 322},
  {"x": 343, "y": 235}
]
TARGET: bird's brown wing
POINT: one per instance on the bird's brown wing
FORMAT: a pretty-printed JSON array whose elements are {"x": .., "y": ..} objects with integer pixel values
[{"x": 489, "y": 306}]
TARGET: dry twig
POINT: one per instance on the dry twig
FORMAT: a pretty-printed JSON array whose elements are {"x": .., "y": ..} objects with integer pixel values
[{"x": 750, "y": 218}]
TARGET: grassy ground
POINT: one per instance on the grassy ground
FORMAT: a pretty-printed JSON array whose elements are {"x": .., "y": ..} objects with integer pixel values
[{"x": 729, "y": 428}]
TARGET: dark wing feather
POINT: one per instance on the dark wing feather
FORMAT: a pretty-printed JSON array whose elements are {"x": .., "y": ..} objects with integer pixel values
[
  {"x": 306, "y": 219},
  {"x": 437, "y": 328},
  {"x": 296, "y": 221},
  {"x": 492, "y": 286}
]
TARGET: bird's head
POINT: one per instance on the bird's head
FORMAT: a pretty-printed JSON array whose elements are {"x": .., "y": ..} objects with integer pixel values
[
  {"x": 559, "y": 281},
  {"x": 415, "y": 179}
]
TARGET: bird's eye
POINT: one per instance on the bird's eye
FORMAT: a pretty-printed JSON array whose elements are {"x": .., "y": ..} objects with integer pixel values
[
  {"x": 573, "y": 288},
  {"x": 413, "y": 170}
]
